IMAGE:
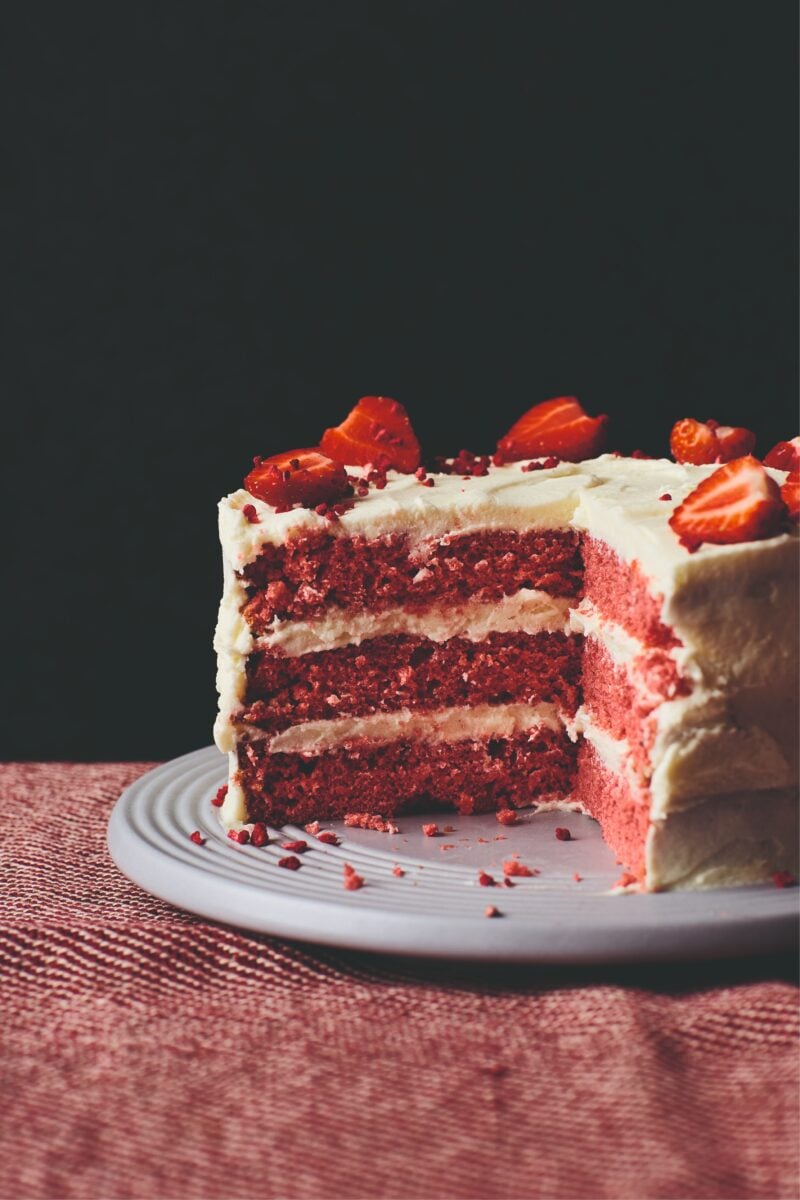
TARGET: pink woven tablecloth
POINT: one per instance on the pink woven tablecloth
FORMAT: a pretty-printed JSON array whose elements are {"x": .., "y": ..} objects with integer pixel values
[{"x": 149, "y": 1054}]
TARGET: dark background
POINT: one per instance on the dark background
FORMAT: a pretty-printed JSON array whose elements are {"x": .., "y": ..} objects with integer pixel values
[{"x": 229, "y": 222}]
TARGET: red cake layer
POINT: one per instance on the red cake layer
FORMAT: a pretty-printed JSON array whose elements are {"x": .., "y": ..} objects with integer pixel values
[
  {"x": 401, "y": 671},
  {"x": 317, "y": 571},
  {"x": 620, "y": 591},
  {"x": 471, "y": 776},
  {"x": 623, "y": 814},
  {"x": 623, "y": 699}
]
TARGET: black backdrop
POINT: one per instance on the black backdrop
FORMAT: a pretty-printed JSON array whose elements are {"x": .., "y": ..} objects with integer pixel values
[{"x": 231, "y": 221}]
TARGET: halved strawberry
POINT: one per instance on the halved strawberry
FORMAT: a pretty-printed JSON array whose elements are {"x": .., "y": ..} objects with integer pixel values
[
  {"x": 693, "y": 442},
  {"x": 785, "y": 456},
  {"x": 790, "y": 494},
  {"x": 377, "y": 430},
  {"x": 734, "y": 441},
  {"x": 298, "y": 476},
  {"x": 738, "y": 503},
  {"x": 559, "y": 427}
]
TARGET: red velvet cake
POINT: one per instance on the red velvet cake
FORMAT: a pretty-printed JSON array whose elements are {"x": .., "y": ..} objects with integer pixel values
[{"x": 613, "y": 635}]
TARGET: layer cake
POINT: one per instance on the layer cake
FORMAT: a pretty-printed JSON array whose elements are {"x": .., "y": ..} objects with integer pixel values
[{"x": 530, "y": 633}]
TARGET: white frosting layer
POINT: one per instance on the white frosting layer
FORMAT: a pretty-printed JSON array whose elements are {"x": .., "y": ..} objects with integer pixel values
[
  {"x": 526, "y": 611},
  {"x": 442, "y": 725},
  {"x": 728, "y": 840},
  {"x": 506, "y": 498}
]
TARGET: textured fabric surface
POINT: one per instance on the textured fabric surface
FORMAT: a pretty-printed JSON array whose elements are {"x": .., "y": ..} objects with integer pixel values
[{"x": 146, "y": 1053}]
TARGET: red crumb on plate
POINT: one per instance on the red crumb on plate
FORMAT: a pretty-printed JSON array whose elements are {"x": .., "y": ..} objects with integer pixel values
[
  {"x": 295, "y": 847},
  {"x": 352, "y": 880},
  {"x": 783, "y": 879},
  {"x": 328, "y": 837},
  {"x": 563, "y": 835},
  {"x": 290, "y": 863},
  {"x": 506, "y": 816},
  {"x": 577, "y": 877},
  {"x": 197, "y": 838},
  {"x": 625, "y": 880},
  {"x": 398, "y": 871},
  {"x": 485, "y": 880},
  {"x": 258, "y": 834},
  {"x": 313, "y": 828},
  {"x": 491, "y": 911},
  {"x": 239, "y": 835},
  {"x": 365, "y": 820},
  {"x": 512, "y": 867},
  {"x": 431, "y": 830},
  {"x": 219, "y": 799}
]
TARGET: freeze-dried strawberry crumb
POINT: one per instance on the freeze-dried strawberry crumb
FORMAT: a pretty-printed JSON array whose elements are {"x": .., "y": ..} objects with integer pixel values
[
  {"x": 783, "y": 879},
  {"x": 491, "y": 911},
  {"x": 364, "y": 820},
  {"x": 449, "y": 829},
  {"x": 426, "y": 482},
  {"x": 313, "y": 828},
  {"x": 197, "y": 838},
  {"x": 509, "y": 883},
  {"x": 507, "y": 816},
  {"x": 512, "y": 867},
  {"x": 219, "y": 799},
  {"x": 485, "y": 880},
  {"x": 290, "y": 863},
  {"x": 398, "y": 871},
  {"x": 665, "y": 496},
  {"x": 352, "y": 880},
  {"x": 625, "y": 880},
  {"x": 328, "y": 837},
  {"x": 250, "y": 514},
  {"x": 563, "y": 835},
  {"x": 448, "y": 846},
  {"x": 576, "y": 876},
  {"x": 239, "y": 835},
  {"x": 431, "y": 830},
  {"x": 299, "y": 847},
  {"x": 258, "y": 834}
]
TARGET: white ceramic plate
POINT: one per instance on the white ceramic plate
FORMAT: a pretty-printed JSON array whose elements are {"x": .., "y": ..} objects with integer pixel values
[{"x": 437, "y": 908}]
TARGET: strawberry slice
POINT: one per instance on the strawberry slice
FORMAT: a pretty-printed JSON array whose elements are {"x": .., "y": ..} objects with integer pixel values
[
  {"x": 790, "y": 494},
  {"x": 559, "y": 427},
  {"x": 734, "y": 441},
  {"x": 738, "y": 503},
  {"x": 693, "y": 442},
  {"x": 785, "y": 456},
  {"x": 377, "y": 430},
  {"x": 298, "y": 476}
]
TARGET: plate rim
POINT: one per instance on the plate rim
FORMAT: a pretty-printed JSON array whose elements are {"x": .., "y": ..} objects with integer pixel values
[{"x": 377, "y": 930}]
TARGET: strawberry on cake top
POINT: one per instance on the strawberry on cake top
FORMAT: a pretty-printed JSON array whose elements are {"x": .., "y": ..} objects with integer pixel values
[{"x": 616, "y": 635}]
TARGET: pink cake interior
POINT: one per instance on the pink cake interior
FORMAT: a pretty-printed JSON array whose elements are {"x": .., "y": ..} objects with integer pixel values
[
  {"x": 401, "y": 671},
  {"x": 623, "y": 699},
  {"x": 312, "y": 573},
  {"x": 624, "y": 815},
  {"x": 620, "y": 591},
  {"x": 470, "y": 776}
]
